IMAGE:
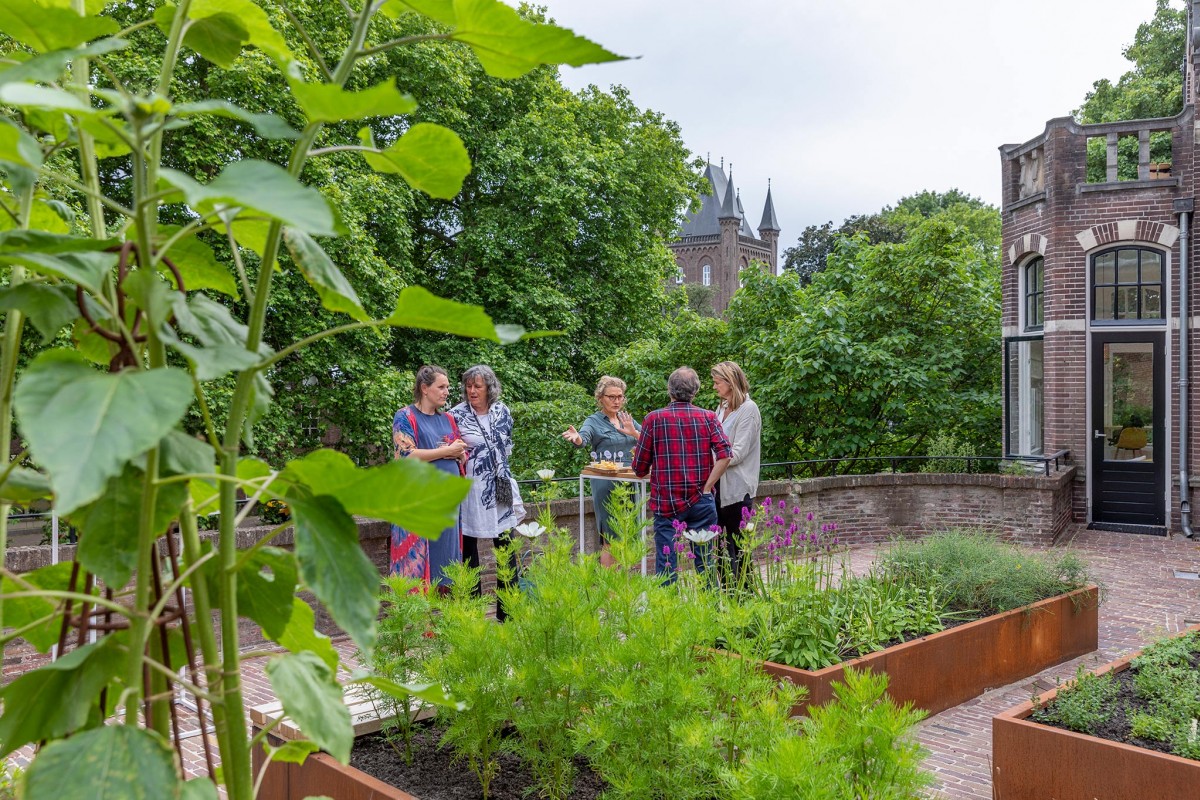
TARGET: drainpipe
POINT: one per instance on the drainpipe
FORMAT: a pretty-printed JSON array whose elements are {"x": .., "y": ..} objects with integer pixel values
[{"x": 1184, "y": 208}]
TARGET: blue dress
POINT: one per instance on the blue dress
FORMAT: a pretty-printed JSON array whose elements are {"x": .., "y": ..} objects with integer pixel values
[{"x": 412, "y": 555}]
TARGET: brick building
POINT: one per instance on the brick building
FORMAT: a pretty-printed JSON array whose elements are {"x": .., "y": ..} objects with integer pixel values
[
  {"x": 716, "y": 242},
  {"x": 1098, "y": 272}
]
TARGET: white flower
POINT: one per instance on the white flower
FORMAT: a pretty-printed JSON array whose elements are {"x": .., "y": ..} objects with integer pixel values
[
  {"x": 545, "y": 474},
  {"x": 530, "y": 530},
  {"x": 701, "y": 536}
]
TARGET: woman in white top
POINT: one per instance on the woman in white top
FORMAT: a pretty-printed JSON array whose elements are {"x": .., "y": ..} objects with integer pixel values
[
  {"x": 743, "y": 426},
  {"x": 493, "y": 507}
]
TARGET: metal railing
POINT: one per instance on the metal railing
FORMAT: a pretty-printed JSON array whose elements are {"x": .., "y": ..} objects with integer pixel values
[{"x": 828, "y": 467}]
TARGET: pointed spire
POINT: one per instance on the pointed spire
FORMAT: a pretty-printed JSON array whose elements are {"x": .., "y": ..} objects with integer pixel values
[
  {"x": 769, "y": 221},
  {"x": 729, "y": 203}
]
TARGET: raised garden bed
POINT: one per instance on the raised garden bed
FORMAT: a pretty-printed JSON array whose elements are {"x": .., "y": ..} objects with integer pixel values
[
  {"x": 1031, "y": 760},
  {"x": 947, "y": 668}
]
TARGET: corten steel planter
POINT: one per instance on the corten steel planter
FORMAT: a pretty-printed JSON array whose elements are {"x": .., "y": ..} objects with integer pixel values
[
  {"x": 321, "y": 775},
  {"x": 944, "y": 669},
  {"x": 1031, "y": 761}
]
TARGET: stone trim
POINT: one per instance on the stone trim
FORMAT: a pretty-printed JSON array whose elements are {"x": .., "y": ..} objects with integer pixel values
[
  {"x": 1029, "y": 243},
  {"x": 1128, "y": 230}
]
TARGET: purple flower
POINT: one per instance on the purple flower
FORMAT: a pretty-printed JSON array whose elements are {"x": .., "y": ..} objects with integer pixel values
[
  {"x": 787, "y": 540},
  {"x": 679, "y": 525},
  {"x": 810, "y": 516},
  {"x": 691, "y": 555},
  {"x": 746, "y": 513},
  {"x": 767, "y": 503},
  {"x": 777, "y": 559},
  {"x": 835, "y": 541},
  {"x": 666, "y": 550},
  {"x": 795, "y": 510},
  {"x": 779, "y": 520}
]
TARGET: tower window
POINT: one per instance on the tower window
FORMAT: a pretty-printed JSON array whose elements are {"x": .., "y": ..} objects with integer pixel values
[{"x": 706, "y": 277}]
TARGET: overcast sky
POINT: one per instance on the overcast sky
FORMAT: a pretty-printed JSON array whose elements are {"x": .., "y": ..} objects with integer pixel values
[{"x": 849, "y": 105}]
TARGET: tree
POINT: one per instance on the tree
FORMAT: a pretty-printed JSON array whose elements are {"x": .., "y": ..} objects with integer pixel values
[
  {"x": 889, "y": 225},
  {"x": 1154, "y": 87},
  {"x": 887, "y": 346}
]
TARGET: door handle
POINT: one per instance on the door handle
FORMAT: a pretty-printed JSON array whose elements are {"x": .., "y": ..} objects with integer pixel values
[{"x": 1100, "y": 435}]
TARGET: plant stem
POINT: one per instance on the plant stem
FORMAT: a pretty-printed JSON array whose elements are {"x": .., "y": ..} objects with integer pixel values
[{"x": 236, "y": 758}]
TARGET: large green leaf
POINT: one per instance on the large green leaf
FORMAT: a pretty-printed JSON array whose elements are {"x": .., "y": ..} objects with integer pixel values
[
  {"x": 49, "y": 308},
  {"x": 108, "y": 544},
  {"x": 428, "y": 692},
  {"x": 428, "y": 156},
  {"x": 183, "y": 454},
  {"x": 47, "y": 28},
  {"x": 293, "y": 752},
  {"x": 313, "y": 700},
  {"x": 18, "y": 148},
  {"x": 22, "y": 611},
  {"x": 334, "y": 566},
  {"x": 267, "y": 587},
  {"x": 269, "y": 126},
  {"x": 218, "y": 38},
  {"x": 254, "y": 18},
  {"x": 322, "y": 274},
  {"x": 406, "y": 492},
  {"x": 417, "y": 307},
  {"x": 20, "y": 241},
  {"x": 199, "y": 789},
  {"x": 86, "y": 269},
  {"x": 259, "y": 186},
  {"x": 59, "y": 697},
  {"x": 327, "y": 102},
  {"x": 301, "y": 635},
  {"x": 112, "y": 762},
  {"x": 28, "y": 95},
  {"x": 506, "y": 45},
  {"x": 222, "y": 338},
  {"x": 197, "y": 264},
  {"x": 24, "y": 486},
  {"x": 49, "y": 67},
  {"x": 83, "y": 426}
]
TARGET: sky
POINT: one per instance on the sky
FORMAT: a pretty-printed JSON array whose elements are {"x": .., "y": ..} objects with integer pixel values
[{"x": 849, "y": 105}]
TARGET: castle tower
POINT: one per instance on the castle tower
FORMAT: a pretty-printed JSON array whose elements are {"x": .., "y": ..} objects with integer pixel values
[{"x": 768, "y": 229}]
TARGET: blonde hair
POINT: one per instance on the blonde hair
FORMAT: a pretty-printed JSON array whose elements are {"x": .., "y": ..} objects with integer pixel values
[
  {"x": 732, "y": 374},
  {"x": 608, "y": 382}
]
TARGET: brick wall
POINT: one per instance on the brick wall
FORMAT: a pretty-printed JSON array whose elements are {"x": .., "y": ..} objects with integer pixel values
[{"x": 1067, "y": 221}]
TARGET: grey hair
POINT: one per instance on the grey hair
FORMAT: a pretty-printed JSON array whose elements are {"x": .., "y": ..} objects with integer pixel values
[
  {"x": 490, "y": 381},
  {"x": 683, "y": 384}
]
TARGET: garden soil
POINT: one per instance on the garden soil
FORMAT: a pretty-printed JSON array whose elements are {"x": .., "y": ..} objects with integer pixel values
[{"x": 435, "y": 775}]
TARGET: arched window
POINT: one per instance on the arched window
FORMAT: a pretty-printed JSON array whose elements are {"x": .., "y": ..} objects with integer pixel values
[
  {"x": 1127, "y": 285},
  {"x": 1033, "y": 292},
  {"x": 706, "y": 277},
  {"x": 678, "y": 276}
]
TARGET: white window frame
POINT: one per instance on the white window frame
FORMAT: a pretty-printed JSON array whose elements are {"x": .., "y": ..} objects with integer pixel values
[{"x": 706, "y": 274}]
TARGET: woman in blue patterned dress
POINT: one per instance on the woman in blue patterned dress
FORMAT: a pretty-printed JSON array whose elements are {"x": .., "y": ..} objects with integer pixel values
[
  {"x": 422, "y": 431},
  {"x": 494, "y": 505}
]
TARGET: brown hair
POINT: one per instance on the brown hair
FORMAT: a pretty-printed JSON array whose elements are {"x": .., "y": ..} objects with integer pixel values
[
  {"x": 732, "y": 374},
  {"x": 425, "y": 376}
]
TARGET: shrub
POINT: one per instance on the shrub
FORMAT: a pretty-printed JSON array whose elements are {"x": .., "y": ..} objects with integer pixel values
[
  {"x": 1082, "y": 704},
  {"x": 976, "y": 571}
]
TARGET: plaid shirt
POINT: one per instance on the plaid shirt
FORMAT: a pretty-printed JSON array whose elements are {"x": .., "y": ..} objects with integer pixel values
[{"x": 679, "y": 441}]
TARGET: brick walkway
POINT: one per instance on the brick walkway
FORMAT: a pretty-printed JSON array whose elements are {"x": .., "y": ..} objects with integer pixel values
[{"x": 1142, "y": 600}]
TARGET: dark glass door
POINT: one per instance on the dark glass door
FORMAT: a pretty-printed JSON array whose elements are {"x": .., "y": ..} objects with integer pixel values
[{"x": 1128, "y": 448}]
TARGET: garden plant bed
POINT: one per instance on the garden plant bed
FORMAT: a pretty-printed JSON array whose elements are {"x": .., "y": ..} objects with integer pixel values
[
  {"x": 944, "y": 669},
  {"x": 376, "y": 770},
  {"x": 1039, "y": 760}
]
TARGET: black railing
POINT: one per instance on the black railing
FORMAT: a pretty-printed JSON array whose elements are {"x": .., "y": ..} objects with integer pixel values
[{"x": 827, "y": 467}]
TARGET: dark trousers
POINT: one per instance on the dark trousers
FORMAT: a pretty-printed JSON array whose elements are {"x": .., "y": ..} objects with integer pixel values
[
  {"x": 730, "y": 519},
  {"x": 471, "y": 557}
]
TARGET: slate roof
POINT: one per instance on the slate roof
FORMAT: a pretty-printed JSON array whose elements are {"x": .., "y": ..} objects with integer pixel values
[{"x": 706, "y": 221}]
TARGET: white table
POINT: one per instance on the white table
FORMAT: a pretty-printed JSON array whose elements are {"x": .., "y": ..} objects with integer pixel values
[{"x": 642, "y": 487}]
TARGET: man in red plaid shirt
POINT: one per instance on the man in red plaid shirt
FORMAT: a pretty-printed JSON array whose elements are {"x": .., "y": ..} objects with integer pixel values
[{"x": 679, "y": 442}]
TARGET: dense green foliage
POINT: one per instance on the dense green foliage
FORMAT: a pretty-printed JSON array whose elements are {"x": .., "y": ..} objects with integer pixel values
[
  {"x": 1154, "y": 87},
  {"x": 613, "y": 666}
]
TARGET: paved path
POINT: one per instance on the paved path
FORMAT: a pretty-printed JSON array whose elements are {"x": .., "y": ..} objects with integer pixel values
[{"x": 1142, "y": 600}]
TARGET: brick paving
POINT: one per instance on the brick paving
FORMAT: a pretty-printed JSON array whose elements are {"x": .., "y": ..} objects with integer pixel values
[{"x": 1142, "y": 601}]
